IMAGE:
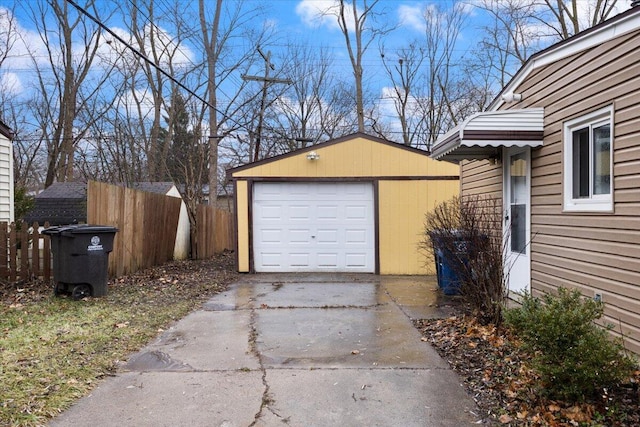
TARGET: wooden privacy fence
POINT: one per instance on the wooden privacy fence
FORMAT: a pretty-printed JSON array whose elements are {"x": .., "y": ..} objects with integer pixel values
[
  {"x": 215, "y": 231},
  {"x": 147, "y": 226}
]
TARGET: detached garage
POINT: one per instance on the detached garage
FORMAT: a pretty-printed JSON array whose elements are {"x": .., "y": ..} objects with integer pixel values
[{"x": 354, "y": 204}]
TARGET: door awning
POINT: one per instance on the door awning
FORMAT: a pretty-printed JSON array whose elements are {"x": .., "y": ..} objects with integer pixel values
[{"x": 482, "y": 135}]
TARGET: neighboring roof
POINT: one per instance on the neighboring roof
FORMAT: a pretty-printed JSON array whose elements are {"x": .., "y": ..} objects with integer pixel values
[
  {"x": 151, "y": 187},
  {"x": 321, "y": 145},
  {"x": 5, "y": 130},
  {"x": 60, "y": 203},
  {"x": 64, "y": 190},
  {"x": 481, "y": 135}
]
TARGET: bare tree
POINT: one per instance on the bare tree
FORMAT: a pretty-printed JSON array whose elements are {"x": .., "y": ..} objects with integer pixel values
[
  {"x": 404, "y": 71},
  {"x": 297, "y": 122},
  {"x": 425, "y": 75},
  {"x": 8, "y": 33},
  {"x": 222, "y": 62},
  {"x": 67, "y": 87},
  {"x": 519, "y": 28},
  {"x": 358, "y": 36}
]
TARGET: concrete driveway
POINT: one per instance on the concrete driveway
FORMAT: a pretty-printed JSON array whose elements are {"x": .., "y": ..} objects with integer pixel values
[{"x": 297, "y": 350}]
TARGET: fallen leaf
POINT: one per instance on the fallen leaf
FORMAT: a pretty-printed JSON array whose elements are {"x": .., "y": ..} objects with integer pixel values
[
  {"x": 505, "y": 419},
  {"x": 355, "y": 351}
]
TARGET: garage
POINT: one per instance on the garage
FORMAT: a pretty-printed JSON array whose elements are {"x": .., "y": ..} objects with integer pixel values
[
  {"x": 354, "y": 204},
  {"x": 313, "y": 226}
]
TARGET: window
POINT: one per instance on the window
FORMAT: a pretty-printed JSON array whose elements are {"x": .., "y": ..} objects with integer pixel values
[{"x": 588, "y": 163}]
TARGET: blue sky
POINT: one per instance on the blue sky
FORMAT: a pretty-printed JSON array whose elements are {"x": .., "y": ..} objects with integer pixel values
[{"x": 292, "y": 19}]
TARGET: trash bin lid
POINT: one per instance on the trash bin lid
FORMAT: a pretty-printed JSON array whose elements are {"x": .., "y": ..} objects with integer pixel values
[
  {"x": 88, "y": 229},
  {"x": 80, "y": 229}
]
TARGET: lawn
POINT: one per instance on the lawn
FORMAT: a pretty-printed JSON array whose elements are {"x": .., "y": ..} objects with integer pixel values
[{"x": 55, "y": 350}]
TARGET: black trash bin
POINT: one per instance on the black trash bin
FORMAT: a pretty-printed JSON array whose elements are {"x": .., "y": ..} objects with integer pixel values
[{"x": 81, "y": 258}]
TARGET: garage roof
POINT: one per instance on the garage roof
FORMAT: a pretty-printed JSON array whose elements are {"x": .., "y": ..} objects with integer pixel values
[{"x": 483, "y": 134}]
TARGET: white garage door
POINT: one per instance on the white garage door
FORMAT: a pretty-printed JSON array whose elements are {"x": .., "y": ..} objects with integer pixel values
[{"x": 313, "y": 227}]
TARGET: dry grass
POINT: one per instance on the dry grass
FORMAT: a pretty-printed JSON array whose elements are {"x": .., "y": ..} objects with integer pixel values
[{"x": 55, "y": 350}]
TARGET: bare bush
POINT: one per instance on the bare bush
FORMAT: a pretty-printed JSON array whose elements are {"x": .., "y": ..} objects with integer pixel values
[{"x": 468, "y": 234}]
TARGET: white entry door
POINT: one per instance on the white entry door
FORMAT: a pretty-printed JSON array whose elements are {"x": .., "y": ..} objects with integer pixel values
[
  {"x": 517, "y": 222},
  {"x": 313, "y": 227}
]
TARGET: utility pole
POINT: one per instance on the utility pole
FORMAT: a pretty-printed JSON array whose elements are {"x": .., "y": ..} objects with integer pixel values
[{"x": 266, "y": 80}]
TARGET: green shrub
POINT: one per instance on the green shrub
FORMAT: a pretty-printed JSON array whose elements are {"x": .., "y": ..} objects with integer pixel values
[{"x": 573, "y": 356}]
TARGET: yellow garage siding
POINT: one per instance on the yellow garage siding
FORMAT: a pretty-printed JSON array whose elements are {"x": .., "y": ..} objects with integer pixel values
[
  {"x": 402, "y": 209},
  {"x": 358, "y": 157},
  {"x": 242, "y": 223}
]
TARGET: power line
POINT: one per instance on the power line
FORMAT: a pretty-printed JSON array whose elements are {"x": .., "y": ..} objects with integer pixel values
[{"x": 147, "y": 60}]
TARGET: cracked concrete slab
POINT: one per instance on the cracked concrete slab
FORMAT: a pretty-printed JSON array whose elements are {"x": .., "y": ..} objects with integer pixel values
[
  {"x": 156, "y": 399},
  {"x": 345, "y": 337},
  {"x": 298, "y": 350},
  {"x": 206, "y": 340},
  {"x": 369, "y": 397}
]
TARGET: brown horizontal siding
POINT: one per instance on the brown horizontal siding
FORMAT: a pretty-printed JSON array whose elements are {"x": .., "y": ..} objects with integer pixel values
[
  {"x": 481, "y": 177},
  {"x": 589, "y": 251},
  {"x": 630, "y": 250}
]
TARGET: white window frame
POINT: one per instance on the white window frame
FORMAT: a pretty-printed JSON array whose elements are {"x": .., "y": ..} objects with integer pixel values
[{"x": 595, "y": 202}]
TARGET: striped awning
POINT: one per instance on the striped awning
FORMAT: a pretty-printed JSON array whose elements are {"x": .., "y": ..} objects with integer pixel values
[{"x": 483, "y": 135}]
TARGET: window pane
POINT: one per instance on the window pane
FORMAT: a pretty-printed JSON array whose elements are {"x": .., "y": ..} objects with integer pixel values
[
  {"x": 602, "y": 160},
  {"x": 581, "y": 163},
  {"x": 519, "y": 192}
]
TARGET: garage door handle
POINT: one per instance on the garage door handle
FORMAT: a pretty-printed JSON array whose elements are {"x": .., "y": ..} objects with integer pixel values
[{"x": 313, "y": 237}]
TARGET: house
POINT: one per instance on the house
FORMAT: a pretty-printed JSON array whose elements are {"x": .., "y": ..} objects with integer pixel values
[
  {"x": 6, "y": 174},
  {"x": 352, "y": 204},
  {"x": 66, "y": 203},
  {"x": 560, "y": 147}
]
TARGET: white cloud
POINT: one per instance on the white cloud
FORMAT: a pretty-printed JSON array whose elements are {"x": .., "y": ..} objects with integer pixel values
[
  {"x": 10, "y": 84},
  {"x": 412, "y": 17},
  {"x": 318, "y": 13}
]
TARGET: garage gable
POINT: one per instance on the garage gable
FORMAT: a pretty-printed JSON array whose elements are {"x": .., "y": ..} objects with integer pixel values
[{"x": 356, "y": 155}]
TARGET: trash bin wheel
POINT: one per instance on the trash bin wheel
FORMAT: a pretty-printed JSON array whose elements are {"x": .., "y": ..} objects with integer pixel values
[{"x": 81, "y": 291}]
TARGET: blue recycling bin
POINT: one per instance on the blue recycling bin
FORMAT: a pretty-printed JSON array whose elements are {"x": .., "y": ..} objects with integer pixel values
[{"x": 448, "y": 275}]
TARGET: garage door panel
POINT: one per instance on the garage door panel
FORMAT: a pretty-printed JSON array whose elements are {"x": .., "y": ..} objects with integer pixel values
[
  {"x": 355, "y": 260},
  {"x": 270, "y": 211},
  {"x": 271, "y": 236},
  {"x": 299, "y": 260},
  {"x": 327, "y": 260},
  {"x": 358, "y": 237},
  {"x": 271, "y": 259},
  {"x": 299, "y": 236},
  {"x": 327, "y": 236},
  {"x": 299, "y": 212},
  {"x": 358, "y": 212},
  {"x": 322, "y": 227},
  {"x": 327, "y": 211}
]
